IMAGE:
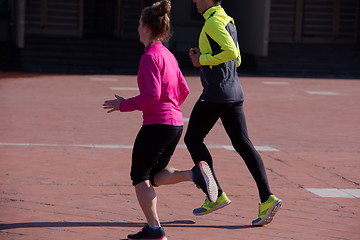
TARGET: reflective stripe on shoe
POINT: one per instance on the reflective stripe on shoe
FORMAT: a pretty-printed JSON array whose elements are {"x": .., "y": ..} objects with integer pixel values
[{"x": 267, "y": 211}]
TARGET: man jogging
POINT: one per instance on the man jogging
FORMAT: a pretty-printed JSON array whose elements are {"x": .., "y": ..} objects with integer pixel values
[{"x": 222, "y": 97}]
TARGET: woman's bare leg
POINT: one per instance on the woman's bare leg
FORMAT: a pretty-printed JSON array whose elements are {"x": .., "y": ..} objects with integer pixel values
[
  {"x": 171, "y": 175},
  {"x": 148, "y": 201}
]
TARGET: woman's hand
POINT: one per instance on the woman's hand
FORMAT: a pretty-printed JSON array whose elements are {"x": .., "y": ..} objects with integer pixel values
[
  {"x": 194, "y": 54},
  {"x": 113, "y": 104}
]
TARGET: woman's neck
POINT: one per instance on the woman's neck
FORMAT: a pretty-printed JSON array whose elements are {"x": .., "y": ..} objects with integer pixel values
[{"x": 149, "y": 41}]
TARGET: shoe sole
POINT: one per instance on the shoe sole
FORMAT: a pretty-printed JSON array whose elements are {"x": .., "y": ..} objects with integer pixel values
[
  {"x": 211, "y": 185},
  {"x": 269, "y": 217},
  {"x": 217, "y": 208},
  {"x": 163, "y": 238}
]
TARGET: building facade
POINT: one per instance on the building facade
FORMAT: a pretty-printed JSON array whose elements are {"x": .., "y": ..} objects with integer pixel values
[{"x": 259, "y": 22}]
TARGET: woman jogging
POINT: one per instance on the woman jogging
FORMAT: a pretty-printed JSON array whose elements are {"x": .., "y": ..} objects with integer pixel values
[
  {"x": 162, "y": 90},
  {"x": 222, "y": 97}
]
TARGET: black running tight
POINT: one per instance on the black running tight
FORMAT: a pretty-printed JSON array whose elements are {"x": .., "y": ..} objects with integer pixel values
[{"x": 203, "y": 118}]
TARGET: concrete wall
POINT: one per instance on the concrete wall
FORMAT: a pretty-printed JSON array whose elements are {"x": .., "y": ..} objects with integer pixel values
[{"x": 18, "y": 22}]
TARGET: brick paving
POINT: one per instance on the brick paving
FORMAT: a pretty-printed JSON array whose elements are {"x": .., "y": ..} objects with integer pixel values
[{"x": 62, "y": 178}]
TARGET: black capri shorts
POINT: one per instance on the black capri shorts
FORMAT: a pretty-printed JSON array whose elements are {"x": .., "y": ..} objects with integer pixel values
[{"x": 154, "y": 145}]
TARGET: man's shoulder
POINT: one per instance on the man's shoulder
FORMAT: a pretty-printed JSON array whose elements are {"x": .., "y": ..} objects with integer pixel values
[{"x": 219, "y": 17}]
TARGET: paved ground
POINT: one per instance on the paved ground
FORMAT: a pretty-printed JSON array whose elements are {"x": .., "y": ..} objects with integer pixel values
[{"x": 64, "y": 170}]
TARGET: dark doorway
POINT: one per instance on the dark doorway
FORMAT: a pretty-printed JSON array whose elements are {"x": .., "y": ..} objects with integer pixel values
[{"x": 99, "y": 18}]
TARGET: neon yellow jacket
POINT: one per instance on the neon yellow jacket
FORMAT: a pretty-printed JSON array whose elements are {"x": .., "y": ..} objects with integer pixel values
[
  {"x": 219, "y": 58},
  {"x": 215, "y": 28}
]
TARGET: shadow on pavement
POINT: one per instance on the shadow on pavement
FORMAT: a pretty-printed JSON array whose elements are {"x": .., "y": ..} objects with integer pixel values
[{"x": 178, "y": 224}]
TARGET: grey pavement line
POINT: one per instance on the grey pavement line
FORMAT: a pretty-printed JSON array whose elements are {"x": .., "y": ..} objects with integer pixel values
[
  {"x": 275, "y": 83},
  {"x": 335, "y": 192},
  {"x": 104, "y": 146},
  {"x": 104, "y": 79},
  {"x": 322, "y": 93},
  {"x": 124, "y": 88}
]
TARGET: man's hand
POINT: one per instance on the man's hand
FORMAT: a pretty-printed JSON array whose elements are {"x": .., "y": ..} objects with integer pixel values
[
  {"x": 194, "y": 54},
  {"x": 113, "y": 104}
]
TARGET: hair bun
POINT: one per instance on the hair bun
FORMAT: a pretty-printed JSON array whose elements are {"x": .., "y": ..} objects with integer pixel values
[{"x": 161, "y": 8}]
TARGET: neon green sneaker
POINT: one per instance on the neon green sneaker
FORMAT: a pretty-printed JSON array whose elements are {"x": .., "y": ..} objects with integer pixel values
[
  {"x": 209, "y": 207},
  {"x": 267, "y": 211}
]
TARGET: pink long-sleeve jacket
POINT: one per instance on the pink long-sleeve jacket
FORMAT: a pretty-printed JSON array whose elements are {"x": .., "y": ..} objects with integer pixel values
[{"x": 162, "y": 88}]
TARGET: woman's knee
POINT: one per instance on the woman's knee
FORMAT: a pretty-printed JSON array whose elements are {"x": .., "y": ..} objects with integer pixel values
[{"x": 138, "y": 176}]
